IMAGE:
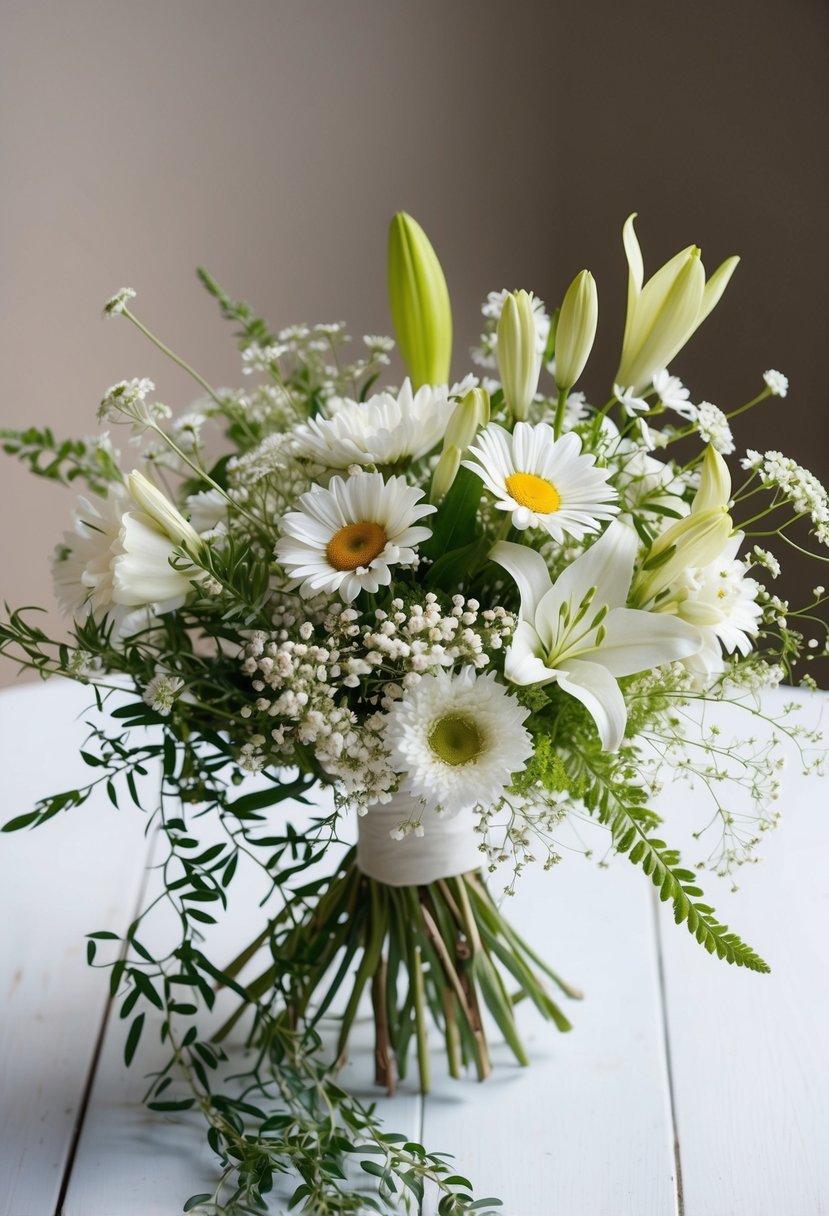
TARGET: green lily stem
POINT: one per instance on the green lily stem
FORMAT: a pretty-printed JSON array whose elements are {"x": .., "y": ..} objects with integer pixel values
[{"x": 561, "y": 405}]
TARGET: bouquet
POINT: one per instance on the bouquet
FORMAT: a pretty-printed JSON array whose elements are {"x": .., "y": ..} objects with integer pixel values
[{"x": 447, "y": 619}]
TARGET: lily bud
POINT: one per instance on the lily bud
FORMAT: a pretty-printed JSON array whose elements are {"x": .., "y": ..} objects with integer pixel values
[
  {"x": 471, "y": 412},
  {"x": 161, "y": 511},
  {"x": 445, "y": 473},
  {"x": 694, "y": 541},
  {"x": 519, "y": 364},
  {"x": 419, "y": 302},
  {"x": 576, "y": 331},
  {"x": 714, "y": 484},
  {"x": 664, "y": 313}
]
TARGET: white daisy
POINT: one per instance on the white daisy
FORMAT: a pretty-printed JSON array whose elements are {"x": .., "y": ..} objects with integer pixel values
[
  {"x": 457, "y": 740},
  {"x": 673, "y": 394},
  {"x": 345, "y": 538},
  {"x": 545, "y": 482},
  {"x": 383, "y": 430}
]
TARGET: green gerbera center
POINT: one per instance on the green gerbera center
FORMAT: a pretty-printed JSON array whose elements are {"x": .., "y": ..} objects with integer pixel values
[{"x": 456, "y": 740}]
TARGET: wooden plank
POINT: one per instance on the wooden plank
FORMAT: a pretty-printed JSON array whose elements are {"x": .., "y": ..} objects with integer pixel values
[
  {"x": 134, "y": 1162},
  {"x": 54, "y": 888},
  {"x": 586, "y": 1130},
  {"x": 750, "y": 1053}
]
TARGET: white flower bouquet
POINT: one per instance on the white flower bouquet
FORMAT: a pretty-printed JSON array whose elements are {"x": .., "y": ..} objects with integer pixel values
[{"x": 452, "y": 618}]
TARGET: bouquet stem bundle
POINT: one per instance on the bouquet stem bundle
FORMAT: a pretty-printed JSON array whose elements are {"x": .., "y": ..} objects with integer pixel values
[{"x": 442, "y": 949}]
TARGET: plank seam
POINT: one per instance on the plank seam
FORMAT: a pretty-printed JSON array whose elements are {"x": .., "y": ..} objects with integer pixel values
[
  {"x": 97, "y": 1051},
  {"x": 666, "y": 1040}
]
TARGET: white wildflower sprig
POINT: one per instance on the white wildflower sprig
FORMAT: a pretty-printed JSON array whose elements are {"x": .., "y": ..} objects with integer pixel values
[
  {"x": 162, "y": 692},
  {"x": 793, "y": 484},
  {"x": 776, "y": 382},
  {"x": 116, "y": 305},
  {"x": 714, "y": 428},
  {"x": 128, "y": 400}
]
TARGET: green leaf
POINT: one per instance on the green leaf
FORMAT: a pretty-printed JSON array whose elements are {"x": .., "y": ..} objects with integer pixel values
[
  {"x": 195, "y": 1200},
  {"x": 21, "y": 821},
  {"x": 371, "y": 1167},
  {"x": 132, "y": 1039},
  {"x": 458, "y": 565},
  {"x": 454, "y": 525}
]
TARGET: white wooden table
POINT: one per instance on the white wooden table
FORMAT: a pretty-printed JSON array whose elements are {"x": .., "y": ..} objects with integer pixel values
[{"x": 686, "y": 1086}]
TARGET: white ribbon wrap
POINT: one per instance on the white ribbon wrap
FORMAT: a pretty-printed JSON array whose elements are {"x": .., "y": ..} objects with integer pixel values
[{"x": 449, "y": 844}]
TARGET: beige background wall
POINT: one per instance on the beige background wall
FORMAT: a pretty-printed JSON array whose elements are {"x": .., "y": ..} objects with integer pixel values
[{"x": 272, "y": 139}]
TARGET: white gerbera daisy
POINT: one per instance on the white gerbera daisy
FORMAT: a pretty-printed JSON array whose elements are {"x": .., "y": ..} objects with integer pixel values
[
  {"x": 347, "y": 536},
  {"x": 545, "y": 482},
  {"x": 457, "y": 739},
  {"x": 383, "y": 430}
]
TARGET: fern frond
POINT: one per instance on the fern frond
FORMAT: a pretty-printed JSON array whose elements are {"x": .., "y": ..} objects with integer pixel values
[{"x": 631, "y": 827}]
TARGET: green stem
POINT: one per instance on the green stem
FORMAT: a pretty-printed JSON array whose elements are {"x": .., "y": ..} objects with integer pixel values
[
  {"x": 561, "y": 405},
  {"x": 420, "y": 1019},
  {"x": 165, "y": 350}
]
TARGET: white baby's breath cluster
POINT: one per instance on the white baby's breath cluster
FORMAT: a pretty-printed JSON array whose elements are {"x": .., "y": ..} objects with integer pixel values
[{"x": 796, "y": 485}]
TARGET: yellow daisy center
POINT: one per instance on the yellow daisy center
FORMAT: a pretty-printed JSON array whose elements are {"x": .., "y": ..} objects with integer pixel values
[
  {"x": 356, "y": 545},
  {"x": 455, "y": 740},
  {"x": 535, "y": 493}
]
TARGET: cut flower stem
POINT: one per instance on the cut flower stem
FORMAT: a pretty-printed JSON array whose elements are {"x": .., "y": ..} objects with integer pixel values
[{"x": 442, "y": 952}]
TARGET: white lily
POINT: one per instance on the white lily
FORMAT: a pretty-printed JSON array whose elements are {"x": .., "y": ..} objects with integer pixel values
[
  {"x": 663, "y": 313},
  {"x": 577, "y": 632}
]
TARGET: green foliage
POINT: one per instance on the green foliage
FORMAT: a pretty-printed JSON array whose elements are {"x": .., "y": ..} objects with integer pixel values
[
  {"x": 455, "y": 525},
  {"x": 618, "y": 803},
  {"x": 62, "y": 460},
  {"x": 547, "y": 768},
  {"x": 252, "y": 329}
]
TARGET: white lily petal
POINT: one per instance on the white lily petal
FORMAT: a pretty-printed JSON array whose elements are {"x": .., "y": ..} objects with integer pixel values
[
  {"x": 529, "y": 570},
  {"x": 637, "y": 641},
  {"x": 636, "y": 266},
  {"x": 714, "y": 483},
  {"x": 715, "y": 287},
  {"x": 664, "y": 321},
  {"x": 607, "y": 565},
  {"x": 522, "y": 664},
  {"x": 141, "y": 573},
  {"x": 600, "y": 695}
]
